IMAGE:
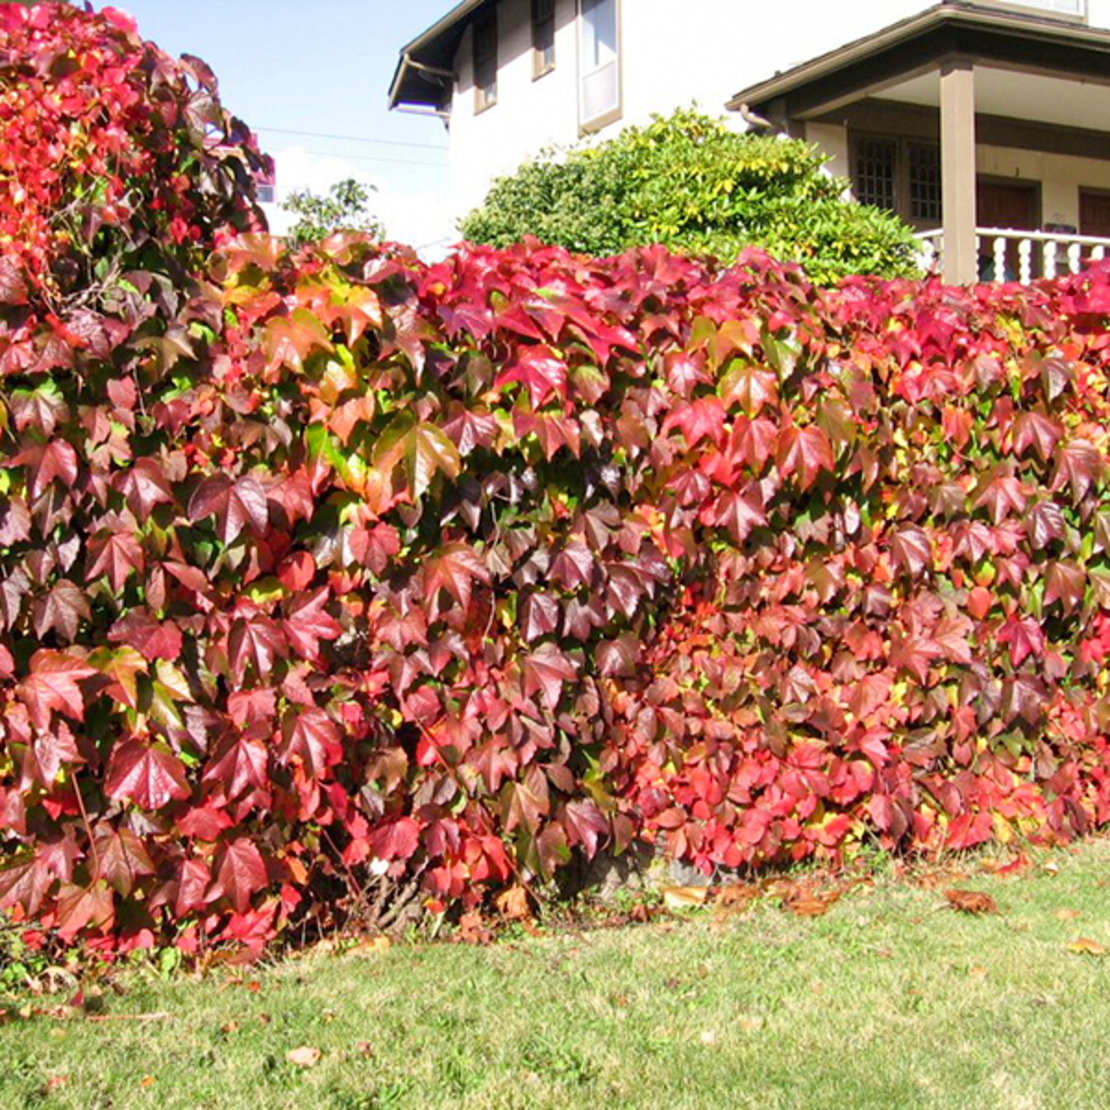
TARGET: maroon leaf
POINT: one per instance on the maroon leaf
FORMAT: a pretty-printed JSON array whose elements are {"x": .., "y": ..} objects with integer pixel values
[
  {"x": 453, "y": 570},
  {"x": 540, "y": 370},
  {"x": 545, "y": 671},
  {"x": 84, "y": 908},
  {"x": 116, "y": 555},
  {"x": 240, "y": 763},
  {"x": 144, "y": 486},
  {"x": 306, "y": 623},
  {"x": 122, "y": 857},
  {"x": 258, "y": 641},
  {"x": 240, "y": 873},
  {"x": 312, "y": 740},
  {"x": 53, "y": 684},
  {"x": 397, "y": 839},
  {"x": 56, "y": 459},
  {"x": 911, "y": 549},
  {"x": 150, "y": 775},
  {"x": 151, "y": 638},
  {"x": 235, "y": 505},
  {"x": 805, "y": 452},
  {"x": 1025, "y": 637},
  {"x": 61, "y": 610},
  {"x": 539, "y": 616}
]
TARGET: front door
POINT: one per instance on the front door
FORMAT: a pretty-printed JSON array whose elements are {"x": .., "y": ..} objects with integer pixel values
[
  {"x": 1010, "y": 206},
  {"x": 1094, "y": 214}
]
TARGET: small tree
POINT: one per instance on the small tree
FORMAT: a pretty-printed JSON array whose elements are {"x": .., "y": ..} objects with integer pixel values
[
  {"x": 345, "y": 208},
  {"x": 691, "y": 183}
]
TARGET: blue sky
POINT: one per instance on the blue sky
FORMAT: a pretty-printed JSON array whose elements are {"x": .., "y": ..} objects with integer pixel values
[{"x": 322, "y": 67}]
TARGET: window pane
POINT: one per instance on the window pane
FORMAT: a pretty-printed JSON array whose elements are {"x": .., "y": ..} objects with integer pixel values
[
  {"x": 543, "y": 33},
  {"x": 924, "y": 181},
  {"x": 485, "y": 62},
  {"x": 875, "y": 161},
  {"x": 1066, "y": 7},
  {"x": 599, "y": 33}
]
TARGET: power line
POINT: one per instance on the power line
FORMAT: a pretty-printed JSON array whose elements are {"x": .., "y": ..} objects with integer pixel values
[
  {"x": 350, "y": 138},
  {"x": 372, "y": 158}
]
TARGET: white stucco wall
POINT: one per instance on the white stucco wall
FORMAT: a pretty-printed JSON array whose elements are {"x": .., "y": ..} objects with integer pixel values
[
  {"x": 1060, "y": 177},
  {"x": 672, "y": 55}
]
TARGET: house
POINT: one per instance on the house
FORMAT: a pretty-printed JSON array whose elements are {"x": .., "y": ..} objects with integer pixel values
[{"x": 985, "y": 124}]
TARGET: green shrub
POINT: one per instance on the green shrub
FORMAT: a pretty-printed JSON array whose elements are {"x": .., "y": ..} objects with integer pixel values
[{"x": 689, "y": 182}]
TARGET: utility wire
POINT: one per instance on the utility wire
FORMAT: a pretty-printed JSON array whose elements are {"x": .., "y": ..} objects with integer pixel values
[
  {"x": 372, "y": 158},
  {"x": 351, "y": 138}
]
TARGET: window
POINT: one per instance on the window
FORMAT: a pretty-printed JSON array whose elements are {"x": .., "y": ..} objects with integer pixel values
[
  {"x": 900, "y": 175},
  {"x": 598, "y": 63},
  {"x": 543, "y": 37},
  {"x": 485, "y": 62},
  {"x": 876, "y": 168},
  {"x": 924, "y": 182},
  {"x": 1058, "y": 7}
]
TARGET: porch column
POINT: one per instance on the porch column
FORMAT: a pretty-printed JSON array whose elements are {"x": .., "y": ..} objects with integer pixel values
[{"x": 957, "y": 159}]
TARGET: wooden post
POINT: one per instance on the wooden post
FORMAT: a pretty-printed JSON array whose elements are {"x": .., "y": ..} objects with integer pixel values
[{"x": 960, "y": 262}]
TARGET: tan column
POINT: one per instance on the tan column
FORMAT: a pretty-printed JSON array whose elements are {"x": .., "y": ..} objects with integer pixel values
[{"x": 957, "y": 161}]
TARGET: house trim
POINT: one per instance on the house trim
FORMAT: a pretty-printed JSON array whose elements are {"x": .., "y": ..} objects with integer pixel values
[{"x": 1000, "y": 36}]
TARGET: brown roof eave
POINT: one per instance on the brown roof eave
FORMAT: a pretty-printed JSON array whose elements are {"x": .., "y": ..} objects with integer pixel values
[
  {"x": 930, "y": 23},
  {"x": 425, "y": 65}
]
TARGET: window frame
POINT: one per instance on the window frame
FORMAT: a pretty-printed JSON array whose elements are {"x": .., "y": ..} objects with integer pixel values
[
  {"x": 543, "y": 37},
  {"x": 485, "y": 95},
  {"x": 609, "y": 115},
  {"x": 902, "y": 178}
]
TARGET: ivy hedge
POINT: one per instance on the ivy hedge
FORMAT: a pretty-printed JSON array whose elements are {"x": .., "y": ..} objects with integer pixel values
[{"x": 332, "y": 581}]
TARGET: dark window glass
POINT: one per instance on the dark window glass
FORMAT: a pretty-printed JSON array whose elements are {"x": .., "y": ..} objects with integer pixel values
[
  {"x": 875, "y": 172},
  {"x": 924, "y": 181},
  {"x": 543, "y": 34},
  {"x": 485, "y": 61}
]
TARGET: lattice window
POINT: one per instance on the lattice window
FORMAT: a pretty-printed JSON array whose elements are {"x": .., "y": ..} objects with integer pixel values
[
  {"x": 924, "y": 181},
  {"x": 876, "y": 172}
]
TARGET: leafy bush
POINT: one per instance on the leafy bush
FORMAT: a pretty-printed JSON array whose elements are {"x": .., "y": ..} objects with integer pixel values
[
  {"x": 331, "y": 581},
  {"x": 345, "y": 208},
  {"x": 690, "y": 183}
]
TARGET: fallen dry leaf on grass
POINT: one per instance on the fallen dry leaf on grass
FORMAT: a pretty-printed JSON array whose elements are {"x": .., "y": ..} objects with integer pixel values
[
  {"x": 372, "y": 946},
  {"x": 1084, "y": 946},
  {"x": 737, "y": 895},
  {"x": 804, "y": 903},
  {"x": 512, "y": 904},
  {"x": 684, "y": 897},
  {"x": 1066, "y": 915},
  {"x": 971, "y": 901},
  {"x": 304, "y": 1057}
]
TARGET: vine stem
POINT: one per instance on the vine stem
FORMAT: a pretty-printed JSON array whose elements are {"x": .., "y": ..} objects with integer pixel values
[{"x": 94, "y": 852}]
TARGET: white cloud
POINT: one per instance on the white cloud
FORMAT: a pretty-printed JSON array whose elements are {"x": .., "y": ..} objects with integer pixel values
[{"x": 420, "y": 217}]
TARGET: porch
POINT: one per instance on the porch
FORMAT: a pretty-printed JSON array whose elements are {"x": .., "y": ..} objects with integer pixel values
[
  {"x": 983, "y": 127},
  {"x": 1008, "y": 254}
]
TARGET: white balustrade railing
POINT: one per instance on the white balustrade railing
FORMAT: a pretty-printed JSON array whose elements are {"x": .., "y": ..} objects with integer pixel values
[{"x": 1009, "y": 254}]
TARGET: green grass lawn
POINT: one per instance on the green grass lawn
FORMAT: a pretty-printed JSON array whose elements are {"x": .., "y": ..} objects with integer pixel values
[{"x": 887, "y": 1001}]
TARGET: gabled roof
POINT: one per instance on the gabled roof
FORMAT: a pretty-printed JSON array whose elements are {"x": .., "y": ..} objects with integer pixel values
[
  {"x": 1015, "y": 38},
  {"x": 424, "y": 74}
]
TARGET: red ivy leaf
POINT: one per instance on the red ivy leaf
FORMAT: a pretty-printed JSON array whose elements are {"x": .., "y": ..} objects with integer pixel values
[
  {"x": 311, "y": 739},
  {"x": 804, "y": 451},
  {"x": 540, "y": 371},
  {"x": 235, "y": 505},
  {"x": 116, "y": 555},
  {"x": 1025, "y": 637},
  {"x": 306, "y": 624},
  {"x": 545, "y": 671},
  {"x": 149, "y": 774},
  {"x": 53, "y": 684},
  {"x": 397, "y": 839},
  {"x": 240, "y": 872}
]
